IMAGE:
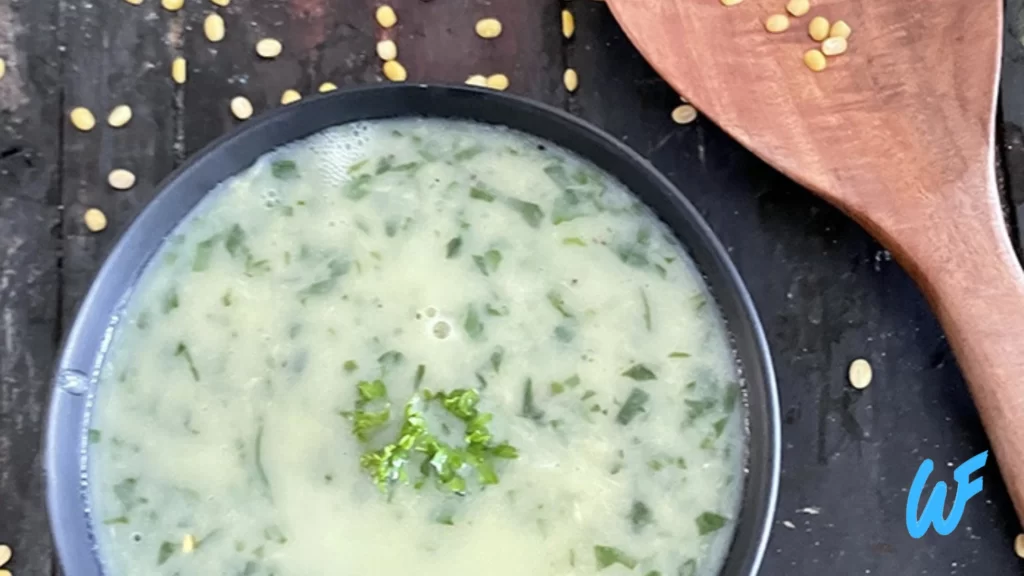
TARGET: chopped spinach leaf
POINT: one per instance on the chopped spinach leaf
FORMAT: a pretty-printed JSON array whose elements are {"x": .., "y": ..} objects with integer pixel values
[
  {"x": 204, "y": 251},
  {"x": 687, "y": 568},
  {"x": 226, "y": 298},
  {"x": 171, "y": 301},
  {"x": 453, "y": 247},
  {"x": 732, "y": 392},
  {"x": 95, "y": 436},
  {"x": 647, "y": 309},
  {"x": 556, "y": 300},
  {"x": 358, "y": 187},
  {"x": 497, "y": 310},
  {"x": 117, "y": 520},
  {"x": 468, "y": 153},
  {"x": 355, "y": 167},
  {"x": 481, "y": 193},
  {"x": 634, "y": 405},
  {"x": 472, "y": 324},
  {"x": 709, "y": 522},
  {"x": 284, "y": 170},
  {"x": 565, "y": 333},
  {"x": 234, "y": 242},
  {"x": 530, "y": 409},
  {"x": 530, "y": 212},
  {"x": 126, "y": 492},
  {"x": 606, "y": 556},
  {"x": 496, "y": 357},
  {"x": 350, "y": 366},
  {"x": 640, "y": 516},
  {"x": 182, "y": 351},
  {"x": 698, "y": 408},
  {"x": 335, "y": 269},
  {"x": 257, "y": 458},
  {"x": 421, "y": 371},
  {"x": 679, "y": 355},
  {"x": 639, "y": 372},
  {"x": 573, "y": 241},
  {"x": 488, "y": 262},
  {"x": 719, "y": 426},
  {"x": 164, "y": 554},
  {"x": 389, "y": 360}
]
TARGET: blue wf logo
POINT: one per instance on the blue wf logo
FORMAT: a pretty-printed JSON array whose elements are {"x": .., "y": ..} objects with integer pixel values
[{"x": 932, "y": 515}]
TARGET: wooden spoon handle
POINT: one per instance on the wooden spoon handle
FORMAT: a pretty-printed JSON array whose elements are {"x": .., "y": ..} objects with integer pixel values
[{"x": 965, "y": 264}]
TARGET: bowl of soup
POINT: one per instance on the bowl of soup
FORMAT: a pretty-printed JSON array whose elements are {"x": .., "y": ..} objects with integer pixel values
[{"x": 414, "y": 328}]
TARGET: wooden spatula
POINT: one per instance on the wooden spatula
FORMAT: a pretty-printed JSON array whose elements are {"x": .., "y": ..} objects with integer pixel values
[{"x": 898, "y": 132}]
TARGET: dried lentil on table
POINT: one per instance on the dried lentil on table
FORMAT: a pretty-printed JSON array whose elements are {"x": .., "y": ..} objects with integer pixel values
[
  {"x": 241, "y": 107},
  {"x": 798, "y": 8},
  {"x": 571, "y": 79},
  {"x": 1018, "y": 545},
  {"x": 82, "y": 119},
  {"x": 327, "y": 87},
  {"x": 815, "y": 60},
  {"x": 777, "y": 23},
  {"x": 730, "y": 2},
  {"x": 394, "y": 71},
  {"x": 269, "y": 48},
  {"x": 119, "y": 116},
  {"x": 860, "y": 374},
  {"x": 179, "y": 70},
  {"x": 818, "y": 28},
  {"x": 121, "y": 179},
  {"x": 5, "y": 554},
  {"x": 213, "y": 27},
  {"x": 172, "y": 5},
  {"x": 289, "y": 96},
  {"x": 834, "y": 46},
  {"x": 95, "y": 220},
  {"x": 477, "y": 80},
  {"x": 134, "y": 2},
  {"x": 497, "y": 81},
  {"x": 221, "y": 3},
  {"x": 386, "y": 16},
  {"x": 840, "y": 30},
  {"x": 684, "y": 114},
  {"x": 488, "y": 28},
  {"x": 3, "y": 67},
  {"x": 568, "y": 24},
  {"x": 387, "y": 50}
]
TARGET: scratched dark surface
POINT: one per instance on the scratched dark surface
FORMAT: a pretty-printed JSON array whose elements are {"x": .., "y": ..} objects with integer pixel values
[{"x": 827, "y": 293}]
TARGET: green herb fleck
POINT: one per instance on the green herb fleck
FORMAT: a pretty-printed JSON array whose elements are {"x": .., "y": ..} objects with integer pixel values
[
  {"x": 640, "y": 373},
  {"x": 679, "y": 355},
  {"x": 284, "y": 170},
  {"x": 257, "y": 459},
  {"x": 480, "y": 193},
  {"x": 496, "y": 357},
  {"x": 609, "y": 555},
  {"x": 170, "y": 302},
  {"x": 719, "y": 426},
  {"x": 698, "y": 408},
  {"x": 389, "y": 361},
  {"x": 530, "y": 212},
  {"x": 182, "y": 351},
  {"x": 95, "y": 436},
  {"x": 234, "y": 242},
  {"x": 732, "y": 392},
  {"x": 355, "y": 167},
  {"x": 226, "y": 298},
  {"x": 688, "y": 568},
  {"x": 556, "y": 300},
  {"x": 350, "y": 366},
  {"x": 421, "y": 371},
  {"x": 488, "y": 262},
  {"x": 647, "y": 309},
  {"x": 530, "y": 410},
  {"x": 473, "y": 326},
  {"x": 204, "y": 251},
  {"x": 117, "y": 520},
  {"x": 358, "y": 187},
  {"x": 640, "y": 516},
  {"x": 453, "y": 247},
  {"x": 166, "y": 550},
  {"x": 573, "y": 241},
  {"x": 709, "y": 522},
  {"x": 564, "y": 333},
  {"x": 633, "y": 406},
  {"x": 335, "y": 269},
  {"x": 468, "y": 153}
]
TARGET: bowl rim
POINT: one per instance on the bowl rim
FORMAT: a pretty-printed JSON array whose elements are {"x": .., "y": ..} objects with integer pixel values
[{"x": 81, "y": 355}]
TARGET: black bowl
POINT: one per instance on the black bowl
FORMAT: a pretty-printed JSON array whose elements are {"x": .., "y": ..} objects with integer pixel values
[{"x": 75, "y": 378}]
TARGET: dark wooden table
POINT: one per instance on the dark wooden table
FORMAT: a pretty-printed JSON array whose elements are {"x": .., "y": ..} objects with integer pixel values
[{"x": 827, "y": 293}]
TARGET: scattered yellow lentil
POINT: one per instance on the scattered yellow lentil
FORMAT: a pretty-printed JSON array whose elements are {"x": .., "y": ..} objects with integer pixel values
[
  {"x": 840, "y": 30},
  {"x": 1018, "y": 545},
  {"x": 777, "y": 23},
  {"x": 179, "y": 70},
  {"x": 95, "y": 220},
  {"x": 221, "y": 3},
  {"x": 134, "y": 2},
  {"x": 815, "y": 60},
  {"x": 394, "y": 71},
  {"x": 568, "y": 24},
  {"x": 387, "y": 50},
  {"x": 571, "y": 79},
  {"x": 386, "y": 16},
  {"x": 121, "y": 179},
  {"x": 497, "y": 81},
  {"x": 289, "y": 96},
  {"x": 731, "y": 2},
  {"x": 241, "y": 107},
  {"x": 3, "y": 67},
  {"x": 860, "y": 374},
  {"x": 684, "y": 114},
  {"x": 488, "y": 28},
  {"x": 269, "y": 48},
  {"x": 5, "y": 554},
  {"x": 834, "y": 46},
  {"x": 172, "y": 5},
  {"x": 818, "y": 28},
  {"x": 6, "y": 573},
  {"x": 119, "y": 116},
  {"x": 477, "y": 80},
  {"x": 82, "y": 119},
  {"x": 798, "y": 7},
  {"x": 327, "y": 87},
  {"x": 188, "y": 544},
  {"x": 213, "y": 27}
]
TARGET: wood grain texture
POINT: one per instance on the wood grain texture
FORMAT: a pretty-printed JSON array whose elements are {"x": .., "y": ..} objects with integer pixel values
[
  {"x": 29, "y": 241},
  {"x": 899, "y": 133},
  {"x": 116, "y": 53}
]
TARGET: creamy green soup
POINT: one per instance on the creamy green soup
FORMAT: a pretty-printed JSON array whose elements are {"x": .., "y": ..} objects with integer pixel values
[{"x": 417, "y": 346}]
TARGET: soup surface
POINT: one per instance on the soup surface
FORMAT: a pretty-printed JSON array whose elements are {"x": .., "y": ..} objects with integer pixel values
[{"x": 417, "y": 346}]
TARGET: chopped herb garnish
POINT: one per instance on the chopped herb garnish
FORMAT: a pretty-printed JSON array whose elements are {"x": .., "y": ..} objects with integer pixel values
[
  {"x": 468, "y": 153},
  {"x": 606, "y": 556},
  {"x": 355, "y": 167},
  {"x": 226, "y": 298},
  {"x": 573, "y": 241},
  {"x": 125, "y": 491},
  {"x": 488, "y": 262},
  {"x": 565, "y": 333},
  {"x": 634, "y": 405},
  {"x": 647, "y": 309},
  {"x": 257, "y": 460},
  {"x": 530, "y": 410},
  {"x": 357, "y": 188},
  {"x": 640, "y": 516},
  {"x": 528, "y": 210},
  {"x": 350, "y": 366},
  {"x": 421, "y": 371},
  {"x": 182, "y": 351},
  {"x": 204, "y": 251},
  {"x": 453, "y": 247},
  {"x": 95, "y": 436},
  {"x": 480, "y": 193},
  {"x": 719, "y": 426},
  {"x": 389, "y": 360},
  {"x": 473, "y": 326},
  {"x": 709, "y": 522},
  {"x": 688, "y": 568},
  {"x": 679, "y": 355},
  {"x": 732, "y": 392},
  {"x": 284, "y": 170},
  {"x": 497, "y": 310},
  {"x": 164, "y": 554},
  {"x": 639, "y": 372},
  {"x": 697, "y": 408},
  {"x": 234, "y": 242},
  {"x": 117, "y": 520},
  {"x": 171, "y": 301},
  {"x": 556, "y": 300},
  {"x": 496, "y": 357},
  {"x": 335, "y": 269}
]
